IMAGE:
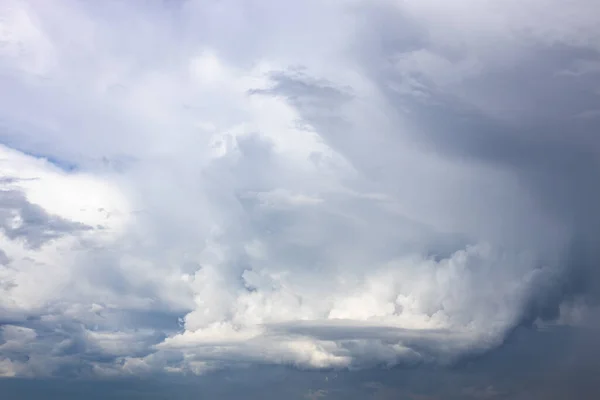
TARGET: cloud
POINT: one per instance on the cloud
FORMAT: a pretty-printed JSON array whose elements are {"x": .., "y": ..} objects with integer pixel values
[
  {"x": 23, "y": 220},
  {"x": 520, "y": 369},
  {"x": 401, "y": 184}
]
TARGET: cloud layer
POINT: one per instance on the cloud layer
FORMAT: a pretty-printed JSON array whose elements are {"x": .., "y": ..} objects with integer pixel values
[{"x": 400, "y": 183}]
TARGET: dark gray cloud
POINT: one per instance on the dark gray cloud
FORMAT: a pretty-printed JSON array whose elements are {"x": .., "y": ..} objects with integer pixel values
[
  {"x": 20, "y": 219},
  {"x": 533, "y": 117},
  {"x": 4, "y": 260}
]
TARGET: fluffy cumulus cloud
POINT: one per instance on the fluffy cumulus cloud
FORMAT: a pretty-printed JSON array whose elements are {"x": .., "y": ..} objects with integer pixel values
[{"x": 195, "y": 185}]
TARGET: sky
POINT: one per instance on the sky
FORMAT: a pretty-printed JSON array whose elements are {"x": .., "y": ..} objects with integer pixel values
[{"x": 333, "y": 199}]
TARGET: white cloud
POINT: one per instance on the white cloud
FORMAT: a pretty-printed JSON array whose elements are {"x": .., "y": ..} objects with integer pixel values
[{"x": 258, "y": 193}]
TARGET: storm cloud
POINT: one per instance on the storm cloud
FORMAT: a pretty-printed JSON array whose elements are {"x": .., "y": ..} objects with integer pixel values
[{"x": 199, "y": 186}]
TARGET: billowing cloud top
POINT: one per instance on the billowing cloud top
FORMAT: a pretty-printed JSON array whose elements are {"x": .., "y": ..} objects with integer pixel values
[{"x": 194, "y": 185}]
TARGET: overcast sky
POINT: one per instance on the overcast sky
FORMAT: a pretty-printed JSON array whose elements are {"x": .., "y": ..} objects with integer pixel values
[{"x": 310, "y": 199}]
